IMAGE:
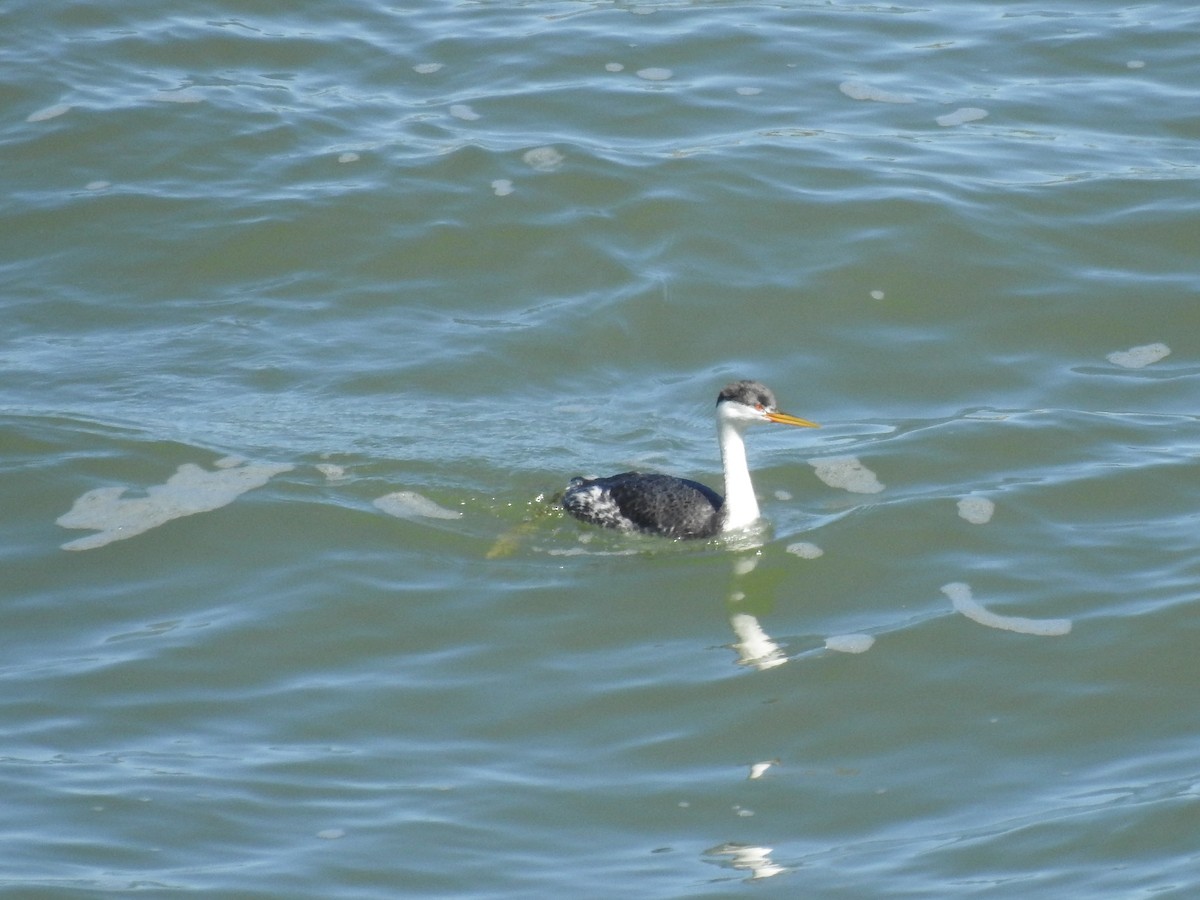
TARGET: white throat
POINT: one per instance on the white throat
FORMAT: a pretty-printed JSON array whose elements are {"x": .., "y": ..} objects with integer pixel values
[{"x": 741, "y": 506}]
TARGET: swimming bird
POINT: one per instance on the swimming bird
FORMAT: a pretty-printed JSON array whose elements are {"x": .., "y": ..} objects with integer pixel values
[{"x": 677, "y": 507}]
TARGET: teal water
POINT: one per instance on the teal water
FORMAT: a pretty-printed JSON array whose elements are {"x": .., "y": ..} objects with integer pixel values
[{"x": 310, "y": 311}]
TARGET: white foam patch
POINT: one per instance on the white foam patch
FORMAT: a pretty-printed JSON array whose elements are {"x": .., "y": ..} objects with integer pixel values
[
  {"x": 856, "y": 90},
  {"x": 848, "y": 473},
  {"x": 749, "y": 91},
  {"x": 464, "y": 112},
  {"x": 877, "y": 295},
  {"x": 976, "y": 510},
  {"x": 960, "y": 595},
  {"x": 348, "y": 157},
  {"x": 544, "y": 159},
  {"x": 1137, "y": 357},
  {"x": 186, "y": 95},
  {"x": 411, "y": 505},
  {"x": 850, "y": 643},
  {"x": 502, "y": 187},
  {"x": 189, "y": 491},
  {"x": 654, "y": 74},
  {"x": 50, "y": 112},
  {"x": 613, "y": 67},
  {"x": 332, "y": 471},
  {"x": 97, "y": 185},
  {"x": 805, "y": 550},
  {"x": 1136, "y": 64},
  {"x": 427, "y": 68},
  {"x": 584, "y": 551},
  {"x": 959, "y": 116}
]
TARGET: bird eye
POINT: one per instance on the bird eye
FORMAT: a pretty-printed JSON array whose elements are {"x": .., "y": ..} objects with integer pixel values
[{"x": 758, "y": 406}]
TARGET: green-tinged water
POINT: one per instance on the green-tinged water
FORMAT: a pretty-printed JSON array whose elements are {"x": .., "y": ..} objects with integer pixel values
[{"x": 309, "y": 311}]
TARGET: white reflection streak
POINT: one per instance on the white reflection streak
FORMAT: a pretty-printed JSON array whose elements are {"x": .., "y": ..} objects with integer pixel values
[
  {"x": 754, "y": 646},
  {"x": 757, "y": 770},
  {"x": 757, "y": 860}
]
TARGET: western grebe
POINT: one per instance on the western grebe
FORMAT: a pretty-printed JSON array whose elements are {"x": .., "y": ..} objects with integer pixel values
[{"x": 677, "y": 507}]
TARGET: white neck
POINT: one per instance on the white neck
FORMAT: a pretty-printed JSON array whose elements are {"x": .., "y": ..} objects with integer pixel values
[{"x": 741, "y": 506}]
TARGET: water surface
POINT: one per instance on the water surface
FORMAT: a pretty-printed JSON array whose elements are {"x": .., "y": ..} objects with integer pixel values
[{"x": 310, "y": 312}]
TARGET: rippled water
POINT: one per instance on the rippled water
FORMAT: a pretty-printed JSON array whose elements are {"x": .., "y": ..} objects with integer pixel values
[{"x": 310, "y": 311}]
